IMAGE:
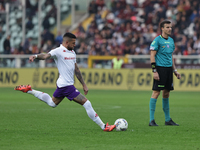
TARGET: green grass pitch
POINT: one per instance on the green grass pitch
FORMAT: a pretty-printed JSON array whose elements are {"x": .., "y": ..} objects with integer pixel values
[{"x": 26, "y": 123}]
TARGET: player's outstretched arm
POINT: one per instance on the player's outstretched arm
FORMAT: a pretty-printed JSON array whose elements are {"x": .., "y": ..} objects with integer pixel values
[
  {"x": 80, "y": 78},
  {"x": 41, "y": 56}
]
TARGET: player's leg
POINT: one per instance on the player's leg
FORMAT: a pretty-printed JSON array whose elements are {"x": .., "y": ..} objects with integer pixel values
[
  {"x": 165, "y": 104},
  {"x": 57, "y": 100},
  {"x": 158, "y": 85},
  {"x": 73, "y": 94},
  {"x": 91, "y": 113},
  {"x": 89, "y": 109},
  {"x": 152, "y": 107},
  {"x": 40, "y": 95},
  {"x": 53, "y": 102},
  {"x": 165, "y": 99}
]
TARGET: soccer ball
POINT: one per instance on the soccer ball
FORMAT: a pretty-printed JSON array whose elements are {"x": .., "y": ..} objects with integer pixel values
[{"x": 121, "y": 124}]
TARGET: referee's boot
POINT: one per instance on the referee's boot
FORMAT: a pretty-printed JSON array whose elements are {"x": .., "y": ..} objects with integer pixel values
[
  {"x": 171, "y": 123},
  {"x": 152, "y": 123}
]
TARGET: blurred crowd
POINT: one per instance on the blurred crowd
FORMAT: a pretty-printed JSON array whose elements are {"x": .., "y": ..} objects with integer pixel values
[
  {"x": 126, "y": 27},
  {"x": 129, "y": 26},
  {"x": 29, "y": 46}
]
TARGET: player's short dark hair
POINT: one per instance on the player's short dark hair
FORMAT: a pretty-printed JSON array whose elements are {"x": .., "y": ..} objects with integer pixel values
[
  {"x": 69, "y": 35},
  {"x": 164, "y": 22}
]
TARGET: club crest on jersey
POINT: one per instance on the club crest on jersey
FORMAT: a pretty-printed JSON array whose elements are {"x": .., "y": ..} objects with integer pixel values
[
  {"x": 167, "y": 46},
  {"x": 64, "y": 50}
]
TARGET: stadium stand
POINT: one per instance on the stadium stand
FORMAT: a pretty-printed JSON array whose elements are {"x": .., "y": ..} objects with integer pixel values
[
  {"x": 130, "y": 26},
  {"x": 120, "y": 28},
  {"x": 48, "y": 17}
]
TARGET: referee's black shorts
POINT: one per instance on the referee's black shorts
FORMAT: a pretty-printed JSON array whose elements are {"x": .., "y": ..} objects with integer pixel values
[{"x": 166, "y": 79}]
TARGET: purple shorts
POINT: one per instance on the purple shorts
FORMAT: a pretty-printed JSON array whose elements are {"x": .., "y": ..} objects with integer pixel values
[{"x": 68, "y": 91}]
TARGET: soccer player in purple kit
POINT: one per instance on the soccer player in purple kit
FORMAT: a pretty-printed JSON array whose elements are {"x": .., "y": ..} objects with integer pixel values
[{"x": 65, "y": 59}]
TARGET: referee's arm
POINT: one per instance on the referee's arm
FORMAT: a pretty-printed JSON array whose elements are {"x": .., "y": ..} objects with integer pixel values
[
  {"x": 178, "y": 75},
  {"x": 152, "y": 56},
  {"x": 173, "y": 65},
  {"x": 153, "y": 61}
]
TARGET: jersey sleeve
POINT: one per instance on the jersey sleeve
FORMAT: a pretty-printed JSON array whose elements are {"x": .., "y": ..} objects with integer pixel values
[
  {"x": 154, "y": 45},
  {"x": 53, "y": 53}
]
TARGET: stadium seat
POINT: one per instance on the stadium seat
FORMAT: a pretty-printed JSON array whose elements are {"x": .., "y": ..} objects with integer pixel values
[
  {"x": 30, "y": 34},
  {"x": 52, "y": 21},
  {"x": 20, "y": 34},
  {"x": 35, "y": 28},
  {"x": 14, "y": 34},
  {"x": 48, "y": 8},
  {"x": 17, "y": 41},
  {"x": 12, "y": 21},
  {"x": 12, "y": 14},
  {"x": 35, "y": 20},
  {"x": 14, "y": 28},
  {"x": 36, "y": 34},
  {"x": 4, "y": 28},
  {"x": 43, "y": 14},
  {"x": 64, "y": 8},
  {"x": 70, "y": 2},
  {"x": 33, "y": 2},
  {"x": 1, "y": 44},
  {"x": 19, "y": 14},
  {"x": 64, "y": 3}
]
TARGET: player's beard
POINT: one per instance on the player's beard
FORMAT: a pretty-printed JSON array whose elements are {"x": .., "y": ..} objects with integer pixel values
[{"x": 69, "y": 48}]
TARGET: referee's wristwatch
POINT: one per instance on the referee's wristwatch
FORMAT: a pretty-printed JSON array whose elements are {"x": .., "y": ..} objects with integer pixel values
[{"x": 154, "y": 70}]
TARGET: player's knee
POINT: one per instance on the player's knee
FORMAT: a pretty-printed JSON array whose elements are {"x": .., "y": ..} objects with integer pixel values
[
  {"x": 87, "y": 103},
  {"x": 165, "y": 94},
  {"x": 52, "y": 104},
  {"x": 155, "y": 94}
]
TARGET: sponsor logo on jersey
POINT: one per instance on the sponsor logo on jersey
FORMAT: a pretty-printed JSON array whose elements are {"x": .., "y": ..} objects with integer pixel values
[{"x": 69, "y": 58}]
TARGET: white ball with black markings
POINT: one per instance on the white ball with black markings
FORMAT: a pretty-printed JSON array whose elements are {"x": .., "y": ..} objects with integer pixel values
[{"x": 121, "y": 124}]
